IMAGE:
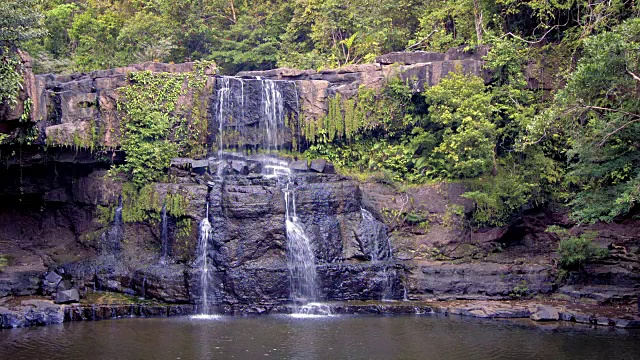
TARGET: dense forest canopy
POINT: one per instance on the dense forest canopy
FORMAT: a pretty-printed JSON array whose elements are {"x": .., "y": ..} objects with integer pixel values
[
  {"x": 515, "y": 146},
  {"x": 257, "y": 34}
]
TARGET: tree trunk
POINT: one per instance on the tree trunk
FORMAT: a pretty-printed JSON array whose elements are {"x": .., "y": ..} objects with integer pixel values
[{"x": 477, "y": 13}]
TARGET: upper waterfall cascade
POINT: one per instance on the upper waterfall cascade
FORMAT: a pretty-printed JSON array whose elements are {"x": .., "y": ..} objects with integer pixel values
[{"x": 251, "y": 114}]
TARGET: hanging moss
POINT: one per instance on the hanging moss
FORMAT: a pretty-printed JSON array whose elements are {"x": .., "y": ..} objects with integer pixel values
[
  {"x": 145, "y": 204},
  {"x": 344, "y": 119}
]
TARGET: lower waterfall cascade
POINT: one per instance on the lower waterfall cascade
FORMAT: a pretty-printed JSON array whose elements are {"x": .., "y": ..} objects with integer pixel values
[
  {"x": 300, "y": 257},
  {"x": 204, "y": 231}
]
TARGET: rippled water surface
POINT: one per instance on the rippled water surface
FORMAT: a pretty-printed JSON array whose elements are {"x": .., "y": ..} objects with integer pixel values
[{"x": 337, "y": 337}]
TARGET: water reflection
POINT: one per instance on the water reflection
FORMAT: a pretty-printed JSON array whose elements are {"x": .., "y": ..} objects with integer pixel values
[{"x": 336, "y": 337}]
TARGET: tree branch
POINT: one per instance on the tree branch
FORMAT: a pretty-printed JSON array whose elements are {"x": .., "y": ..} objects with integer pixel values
[
  {"x": 634, "y": 75},
  {"x": 604, "y": 139},
  {"x": 532, "y": 42},
  {"x": 421, "y": 41}
]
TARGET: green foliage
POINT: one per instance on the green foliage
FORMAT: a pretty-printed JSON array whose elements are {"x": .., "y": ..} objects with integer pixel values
[
  {"x": 149, "y": 106},
  {"x": 498, "y": 198},
  {"x": 521, "y": 290},
  {"x": 445, "y": 24},
  {"x": 20, "y": 21},
  {"x": 532, "y": 182},
  {"x": 575, "y": 251},
  {"x": 261, "y": 34},
  {"x": 451, "y": 216},
  {"x": 154, "y": 128},
  {"x": 10, "y": 75},
  {"x": 599, "y": 111},
  {"x": 3, "y": 262},
  {"x": 145, "y": 37},
  {"x": 145, "y": 203},
  {"x": 58, "y": 21},
  {"x": 335, "y": 33},
  {"x": 462, "y": 107}
]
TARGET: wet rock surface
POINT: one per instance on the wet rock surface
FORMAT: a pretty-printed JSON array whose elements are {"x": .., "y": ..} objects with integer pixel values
[
  {"x": 39, "y": 312},
  {"x": 67, "y": 296}
]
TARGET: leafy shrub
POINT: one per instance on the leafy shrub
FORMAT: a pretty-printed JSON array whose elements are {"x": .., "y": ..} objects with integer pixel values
[
  {"x": 521, "y": 290},
  {"x": 575, "y": 251}
]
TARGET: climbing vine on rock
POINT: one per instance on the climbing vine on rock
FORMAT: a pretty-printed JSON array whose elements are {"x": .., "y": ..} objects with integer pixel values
[
  {"x": 156, "y": 126},
  {"x": 10, "y": 76}
]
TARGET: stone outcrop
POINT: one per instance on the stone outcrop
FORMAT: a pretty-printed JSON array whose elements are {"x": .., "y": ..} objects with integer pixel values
[
  {"x": 83, "y": 107},
  {"x": 420, "y": 69},
  {"x": 33, "y": 89},
  {"x": 447, "y": 281},
  {"x": 80, "y": 110},
  {"x": 37, "y": 312}
]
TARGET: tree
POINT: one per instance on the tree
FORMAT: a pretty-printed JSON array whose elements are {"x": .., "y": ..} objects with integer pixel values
[
  {"x": 94, "y": 38},
  {"x": 462, "y": 106},
  {"x": 145, "y": 37},
  {"x": 600, "y": 108},
  {"x": 19, "y": 22}
]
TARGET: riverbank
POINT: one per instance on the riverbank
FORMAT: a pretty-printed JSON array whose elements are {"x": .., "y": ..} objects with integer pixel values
[{"x": 18, "y": 312}]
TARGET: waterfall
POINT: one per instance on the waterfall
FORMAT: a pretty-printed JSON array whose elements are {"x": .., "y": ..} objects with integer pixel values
[
  {"x": 380, "y": 250},
  {"x": 143, "y": 292},
  {"x": 250, "y": 114},
  {"x": 223, "y": 103},
  {"x": 112, "y": 238},
  {"x": 164, "y": 236},
  {"x": 203, "y": 244},
  {"x": 300, "y": 257},
  {"x": 273, "y": 112}
]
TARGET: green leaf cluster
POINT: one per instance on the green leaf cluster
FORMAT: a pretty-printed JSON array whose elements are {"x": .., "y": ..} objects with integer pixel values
[
  {"x": 154, "y": 128},
  {"x": 3, "y": 262},
  {"x": 576, "y": 251}
]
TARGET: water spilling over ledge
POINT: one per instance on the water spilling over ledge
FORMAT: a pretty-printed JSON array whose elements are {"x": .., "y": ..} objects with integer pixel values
[
  {"x": 254, "y": 114},
  {"x": 204, "y": 231}
]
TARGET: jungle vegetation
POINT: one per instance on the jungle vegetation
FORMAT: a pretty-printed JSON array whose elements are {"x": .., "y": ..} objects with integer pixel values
[{"x": 515, "y": 145}]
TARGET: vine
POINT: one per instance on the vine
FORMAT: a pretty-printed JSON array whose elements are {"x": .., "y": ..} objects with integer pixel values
[
  {"x": 10, "y": 76},
  {"x": 145, "y": 204},
  {"x": 157, "y": 126},
  {"x": 346, "y": 119}
]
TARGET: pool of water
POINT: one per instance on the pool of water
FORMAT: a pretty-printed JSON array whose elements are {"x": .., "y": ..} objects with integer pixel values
[{"x": 336, "y": 337}]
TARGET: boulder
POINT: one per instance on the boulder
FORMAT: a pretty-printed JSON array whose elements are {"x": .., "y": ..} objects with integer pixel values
[
  {"x": 299, "y": 165},
  {"x": 406, "y": 57},
  {"x": 318, "y": 165},
  {"x": 200, "y": 166},
  {"x": 545, "y": 313},
  {"x": 240, "y": 167},
  {"x": 329, "y": 168},
  {"x": 50, "y": 282},
  {"x": 64, "y": 285},
  {"x": 56, "y": 195},
  {"x": 67, "y": 296},
  {"x": 255, "y": 167},
  {"x": 96, "y": 188},
  {"x": 182, "y": 163},
  {"x": 52, "y": 278}
]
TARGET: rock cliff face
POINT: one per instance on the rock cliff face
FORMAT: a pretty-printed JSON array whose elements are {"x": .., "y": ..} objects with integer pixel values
[
  {"x": 65, "y": 224},
  {"x": 81, "y": 109}
]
